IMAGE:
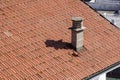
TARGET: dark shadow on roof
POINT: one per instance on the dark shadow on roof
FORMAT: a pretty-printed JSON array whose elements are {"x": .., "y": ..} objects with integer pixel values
[{"x": 58, "y": 44}]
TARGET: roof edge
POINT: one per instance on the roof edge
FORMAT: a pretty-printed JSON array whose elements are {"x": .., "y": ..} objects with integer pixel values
[{"x": 107, "y": 69}]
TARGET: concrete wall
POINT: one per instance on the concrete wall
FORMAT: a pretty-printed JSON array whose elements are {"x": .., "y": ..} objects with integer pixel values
[{"x": 105, "y": 5}]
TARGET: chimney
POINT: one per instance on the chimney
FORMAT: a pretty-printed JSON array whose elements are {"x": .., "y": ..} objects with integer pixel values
[{"x": 77, "y": 33}]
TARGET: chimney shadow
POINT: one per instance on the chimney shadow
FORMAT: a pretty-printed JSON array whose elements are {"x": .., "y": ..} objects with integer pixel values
[{"x": 58, "y": 44}]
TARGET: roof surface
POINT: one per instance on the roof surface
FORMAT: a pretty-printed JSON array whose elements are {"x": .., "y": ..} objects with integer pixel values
[{"x": 34, "y": 40}]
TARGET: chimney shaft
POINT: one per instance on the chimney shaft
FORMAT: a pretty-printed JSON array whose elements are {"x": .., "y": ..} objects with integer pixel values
[{"x": 77, "y": 33}]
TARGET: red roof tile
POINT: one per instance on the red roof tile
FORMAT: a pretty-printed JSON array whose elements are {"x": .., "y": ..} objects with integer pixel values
[{"x": 34, "y": 34}]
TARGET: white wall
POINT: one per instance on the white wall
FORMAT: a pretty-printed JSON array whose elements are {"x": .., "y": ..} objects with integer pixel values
[{"x": 100, "y": 77}]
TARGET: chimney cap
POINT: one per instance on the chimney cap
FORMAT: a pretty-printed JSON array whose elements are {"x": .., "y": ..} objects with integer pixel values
[{"x": 77, "y": 19}]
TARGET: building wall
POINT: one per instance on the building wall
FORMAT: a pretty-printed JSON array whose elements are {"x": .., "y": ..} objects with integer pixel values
[
  {"x": 106, "y": 0},
  {"x": 100, "y": 77},
  {"x": 114, "y": 19},
  {"x": 105, "y": 5}
]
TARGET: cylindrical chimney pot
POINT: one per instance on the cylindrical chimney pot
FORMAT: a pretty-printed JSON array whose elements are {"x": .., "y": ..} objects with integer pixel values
[{"x": 77, "y": 22}]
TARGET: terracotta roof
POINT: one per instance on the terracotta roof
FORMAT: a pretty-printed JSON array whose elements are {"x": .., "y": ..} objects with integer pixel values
[{"x": 34, "y": 40}]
